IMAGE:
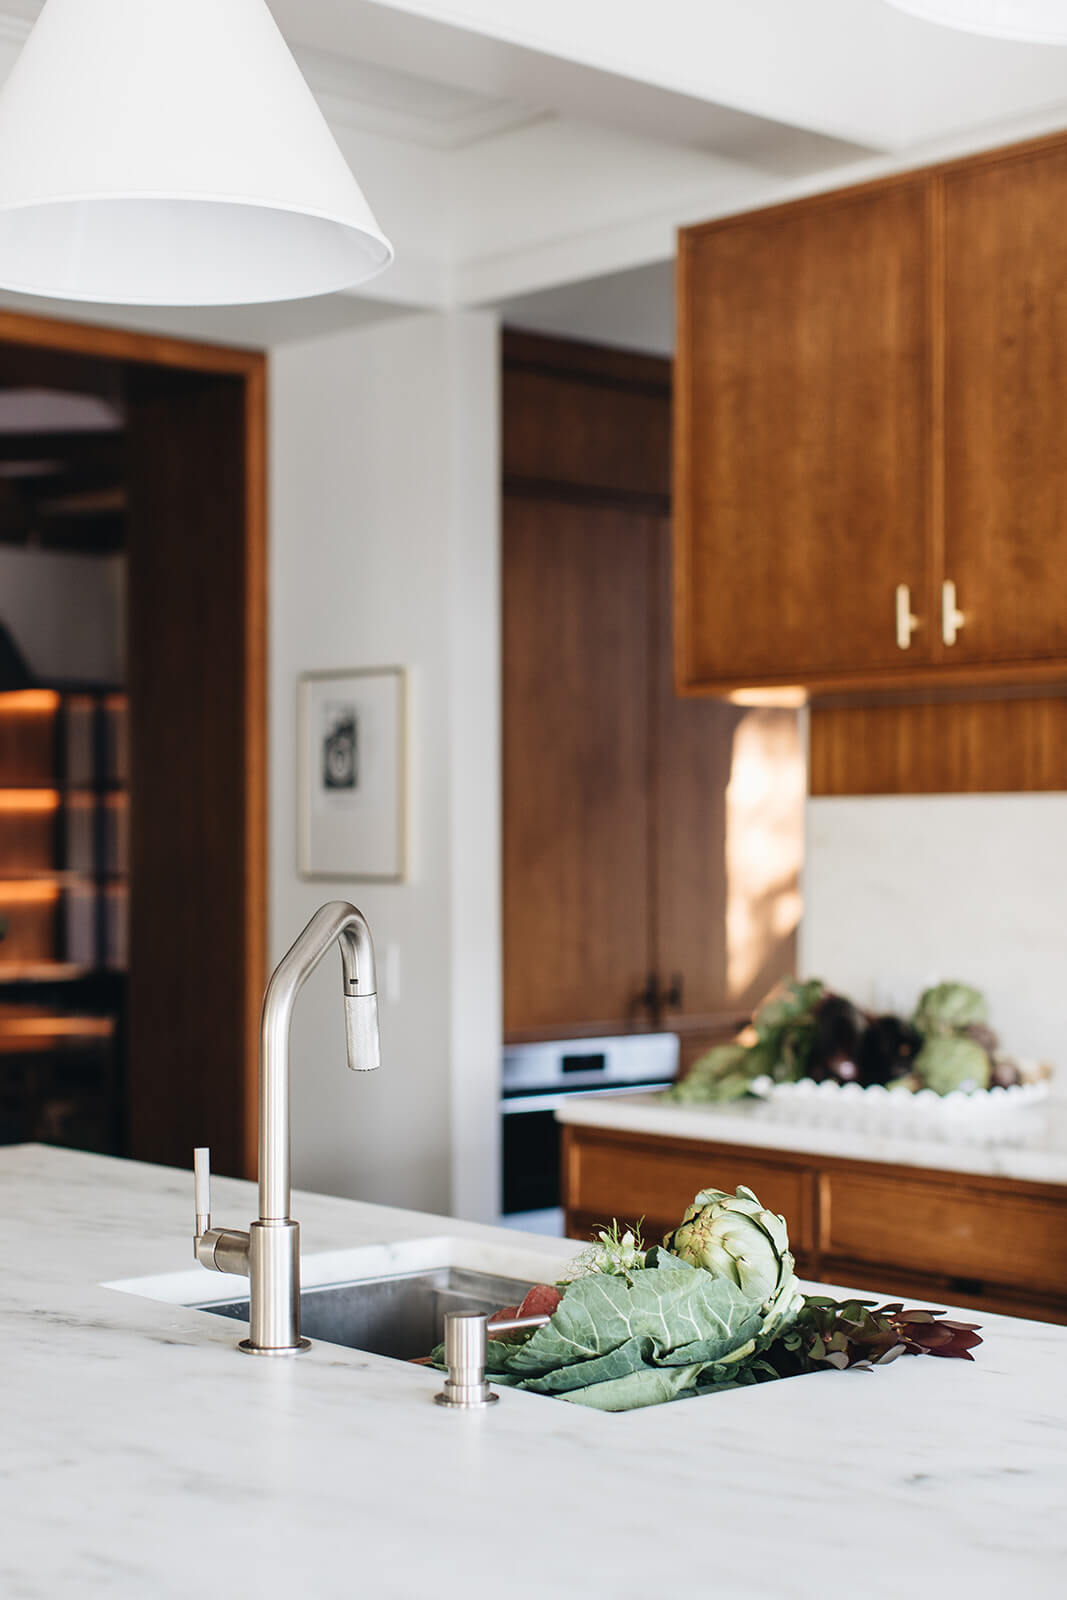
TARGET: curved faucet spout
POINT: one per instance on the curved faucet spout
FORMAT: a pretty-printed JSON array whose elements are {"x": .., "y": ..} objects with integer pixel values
[{"x": 337, "y": 922}]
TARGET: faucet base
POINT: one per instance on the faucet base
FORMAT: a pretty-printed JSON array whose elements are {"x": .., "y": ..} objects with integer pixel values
[
  {"x": 251, "y": 1349},
  {"x": 274, "y": 1282}
]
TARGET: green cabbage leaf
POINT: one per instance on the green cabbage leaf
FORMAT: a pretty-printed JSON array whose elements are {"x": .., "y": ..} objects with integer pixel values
[{"x": 618, "y": 1343}]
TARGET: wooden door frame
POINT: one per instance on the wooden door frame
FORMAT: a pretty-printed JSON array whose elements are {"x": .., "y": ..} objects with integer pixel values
[{"x": 250, "y": 366}]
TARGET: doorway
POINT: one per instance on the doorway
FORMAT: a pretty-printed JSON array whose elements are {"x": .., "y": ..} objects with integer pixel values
[{"x": 132, "y": 740}]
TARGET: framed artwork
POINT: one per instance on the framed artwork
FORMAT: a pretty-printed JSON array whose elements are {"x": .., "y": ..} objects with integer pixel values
[{"x": 351, "y": 774}]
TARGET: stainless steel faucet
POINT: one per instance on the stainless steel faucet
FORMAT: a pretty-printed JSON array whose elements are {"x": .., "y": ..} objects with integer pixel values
[{"x": 269, "y": 1253}]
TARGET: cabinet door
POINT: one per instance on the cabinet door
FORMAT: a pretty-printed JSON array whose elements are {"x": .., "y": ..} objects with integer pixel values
[
  {"x": 1006, "y": 378},
  {"x": 576, "y": 610},
  {"x": 803, "y": 408},
  {"x": 728, "y": 824}
]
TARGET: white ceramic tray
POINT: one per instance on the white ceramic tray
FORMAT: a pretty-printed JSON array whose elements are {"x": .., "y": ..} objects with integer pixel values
[{"x": 980, "y": 1116}]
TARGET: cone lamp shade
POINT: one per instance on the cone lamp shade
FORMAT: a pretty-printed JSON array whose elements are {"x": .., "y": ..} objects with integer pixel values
[
  {"x": 169, "y": 152},
  {"x": 1036, "y": 21}
]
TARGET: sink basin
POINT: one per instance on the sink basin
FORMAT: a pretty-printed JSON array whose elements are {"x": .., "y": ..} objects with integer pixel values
[
  {"x": 389, "y": 1300},
  {"x": 401, "y": 1316}
]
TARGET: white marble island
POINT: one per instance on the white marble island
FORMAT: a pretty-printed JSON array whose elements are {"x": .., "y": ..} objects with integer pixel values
[{"x": 144, "y": 1457}]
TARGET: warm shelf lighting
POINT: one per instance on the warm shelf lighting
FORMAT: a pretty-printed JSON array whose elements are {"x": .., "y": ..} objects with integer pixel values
[
  {"x": 28, "y": 892},
  {"x": 29, "y": 800},
  {"x": 168, "y": 152},
  {"x": 1029, "y": 21},
  {"x": 24, "y": 702},
  {"x": 56, "y": 1027},
  {"x": 783, "y": 698}
]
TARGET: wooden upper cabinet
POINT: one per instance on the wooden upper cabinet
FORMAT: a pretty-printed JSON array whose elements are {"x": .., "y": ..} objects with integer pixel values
[
  {"x": 870, "y": 391},
  {"x": 1005, "y": 538},
  {"x": 803, "y": 419}
]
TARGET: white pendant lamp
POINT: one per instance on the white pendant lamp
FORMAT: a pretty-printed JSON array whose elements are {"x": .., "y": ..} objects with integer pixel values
[
  {"x": 1036, "y": 21},
  {"x": 169, "y": 152}
]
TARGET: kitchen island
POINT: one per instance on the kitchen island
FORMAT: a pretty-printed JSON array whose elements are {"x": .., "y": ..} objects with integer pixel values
[{"x": 144, "y": 1457}]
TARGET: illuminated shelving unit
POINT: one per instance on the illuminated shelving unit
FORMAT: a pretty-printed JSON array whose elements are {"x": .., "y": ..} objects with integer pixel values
[{"x": 64, "y": 813}]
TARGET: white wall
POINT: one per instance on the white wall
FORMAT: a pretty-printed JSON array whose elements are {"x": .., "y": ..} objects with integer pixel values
[
  {"x": 65, "y": 613},
  {"x": 904, "y": 891},
  {"x": 384, "y": 551}
]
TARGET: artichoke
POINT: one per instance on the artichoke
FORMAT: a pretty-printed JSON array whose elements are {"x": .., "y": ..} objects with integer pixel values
[
  {"x": 735, "y": 1237},
  {"x": 948, "y": 1008},
  {"x": 945, "y": 1064}
]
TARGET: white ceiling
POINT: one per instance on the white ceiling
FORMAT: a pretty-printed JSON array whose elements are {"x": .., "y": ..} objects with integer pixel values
[
  {"x": 858, "y": 70},
  {"x": 539, "y": 155}
]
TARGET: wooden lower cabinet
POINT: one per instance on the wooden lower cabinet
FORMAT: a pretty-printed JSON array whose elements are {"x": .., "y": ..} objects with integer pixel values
[{"x": 992, "y": 1243}]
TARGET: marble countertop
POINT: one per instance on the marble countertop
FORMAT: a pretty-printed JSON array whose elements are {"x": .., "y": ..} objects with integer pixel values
[
  {"x": 144, "y": 1458},
  {"x": 1037, "y": 1154}
]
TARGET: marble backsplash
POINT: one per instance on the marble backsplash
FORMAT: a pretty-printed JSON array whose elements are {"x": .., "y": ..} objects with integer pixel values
[{"x": 904, "y": 891}]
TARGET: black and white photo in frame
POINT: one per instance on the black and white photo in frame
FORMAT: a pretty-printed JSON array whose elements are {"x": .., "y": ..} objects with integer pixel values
[{"x": 351, "y": 774}]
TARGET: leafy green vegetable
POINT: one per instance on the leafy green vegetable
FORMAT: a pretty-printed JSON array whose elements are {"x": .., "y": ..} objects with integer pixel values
[
  {"x": 724, "y": 1073},
  {"x": 673, "y": 1309},
  {"x": 792, "y": 1002},
  {"x": 945, "y": 1064},
  {"x": 948, "y": 1008},
  {"x": 784, "y": 1028}
]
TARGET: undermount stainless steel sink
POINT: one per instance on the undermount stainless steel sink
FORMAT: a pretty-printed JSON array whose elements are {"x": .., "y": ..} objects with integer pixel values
[{"x": 400, "y": 1316}]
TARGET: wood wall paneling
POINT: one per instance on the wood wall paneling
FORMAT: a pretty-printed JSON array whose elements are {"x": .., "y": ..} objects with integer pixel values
[
  {"x": 575, "y": 730},
  {"x": 947, "y": 747},
  {"x": 586, "y": 421}
]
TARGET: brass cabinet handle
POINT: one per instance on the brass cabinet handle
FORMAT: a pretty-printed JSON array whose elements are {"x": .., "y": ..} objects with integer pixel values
[
  {"x": 907, "y": 621},
  {"x": 952, "y": 618}
]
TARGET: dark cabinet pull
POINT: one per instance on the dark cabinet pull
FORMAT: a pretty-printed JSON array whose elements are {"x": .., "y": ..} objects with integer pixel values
[
  {"x": 655, "y": 1000},
  {"x": 648, "y": 998}
]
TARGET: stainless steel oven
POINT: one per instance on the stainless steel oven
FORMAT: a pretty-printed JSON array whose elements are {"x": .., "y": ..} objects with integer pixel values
[{"x": 535, "y": 1079}]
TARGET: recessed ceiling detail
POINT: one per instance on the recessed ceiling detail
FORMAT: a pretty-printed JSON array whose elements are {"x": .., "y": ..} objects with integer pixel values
[{"x": 404, "y": 106}]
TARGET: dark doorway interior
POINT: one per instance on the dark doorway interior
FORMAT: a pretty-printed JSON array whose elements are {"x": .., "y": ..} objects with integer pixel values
[{"x": 131, "y": 742}]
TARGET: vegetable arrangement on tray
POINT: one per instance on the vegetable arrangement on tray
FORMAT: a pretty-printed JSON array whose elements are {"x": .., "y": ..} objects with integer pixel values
[
  {"x": 716, "y": 1306},
  {"x": 803, "y": 1031}
]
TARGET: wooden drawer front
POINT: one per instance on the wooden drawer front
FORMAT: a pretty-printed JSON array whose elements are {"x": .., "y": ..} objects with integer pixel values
[
  {"x": 632, "y": 1180},
  {"x": 953, "y": 1230}
]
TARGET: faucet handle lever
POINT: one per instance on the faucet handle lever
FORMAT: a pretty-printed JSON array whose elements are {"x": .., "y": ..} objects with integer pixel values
[{"x": 202, "y": 1187}]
